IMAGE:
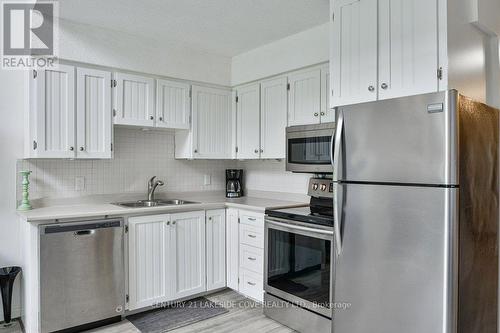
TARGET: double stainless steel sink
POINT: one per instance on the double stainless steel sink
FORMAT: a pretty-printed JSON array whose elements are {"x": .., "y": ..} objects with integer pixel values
[{"x": 153, "y": 203}]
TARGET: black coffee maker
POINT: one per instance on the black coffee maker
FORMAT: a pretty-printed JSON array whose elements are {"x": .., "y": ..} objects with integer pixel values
[{"x": 234, "y": 183}]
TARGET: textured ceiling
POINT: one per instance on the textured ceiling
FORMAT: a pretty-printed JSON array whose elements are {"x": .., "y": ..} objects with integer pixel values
[{"x": 225, "y": 27}]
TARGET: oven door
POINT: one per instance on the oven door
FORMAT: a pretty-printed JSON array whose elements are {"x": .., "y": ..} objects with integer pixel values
[
  {"x": 298, "y": 264},
  {"x": 308, "y": 148}
]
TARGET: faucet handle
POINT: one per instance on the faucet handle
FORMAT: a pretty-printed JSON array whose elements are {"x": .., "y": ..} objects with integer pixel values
[{"x": 151, "y": 182}]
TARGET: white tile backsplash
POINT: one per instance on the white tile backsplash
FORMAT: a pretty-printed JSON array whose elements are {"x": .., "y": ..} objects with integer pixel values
[{"x": 138, "y": 156}]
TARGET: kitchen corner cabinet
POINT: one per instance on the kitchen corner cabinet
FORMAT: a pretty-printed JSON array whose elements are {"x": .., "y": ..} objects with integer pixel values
[
  {"x": 210, "y": 136},
  {"x": 133, "y": 100},
  {"x": 216, "y": 248},
  {"x": 392, "y": 54},
  {"x": 304, "y": 97},
  {"x": 69, "y": 113},
  {"x": 173, "y": 104}
]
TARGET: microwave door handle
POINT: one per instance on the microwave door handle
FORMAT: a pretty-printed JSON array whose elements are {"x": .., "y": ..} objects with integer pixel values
[{"x": 335, "y": 163}]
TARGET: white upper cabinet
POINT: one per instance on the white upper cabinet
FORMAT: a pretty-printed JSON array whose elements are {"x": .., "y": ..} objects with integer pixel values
[
  {"x": 273, "y": 117},
  {"x": 408, "y": 47},
  {"x": 304, "y": 97},
  {"x": 173, "y": 104},
  {"x": 216, "y": 248},
  {"x": 51, "y": 131},
  {"x": 94, "y": 124},
  {"x": 327, "y": 112},
  {"x": 353, "y": 51},
  {"x": 133, "y": 100},
  {"x": 248, "y": 121},
  {"x": 148, "y": 249},
  {"x": 212, "y": 121},
  {"x": 188, "y": 274}
]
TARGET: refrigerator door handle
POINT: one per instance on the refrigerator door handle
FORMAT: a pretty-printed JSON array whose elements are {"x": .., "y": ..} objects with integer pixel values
[{"x": 335, "y": 163}]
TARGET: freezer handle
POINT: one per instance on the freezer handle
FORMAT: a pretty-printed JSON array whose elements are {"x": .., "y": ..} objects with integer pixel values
[{"x": 337, "y": 217}]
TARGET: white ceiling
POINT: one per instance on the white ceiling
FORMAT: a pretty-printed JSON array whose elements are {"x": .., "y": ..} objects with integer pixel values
[{"x": 225, "y": 27}]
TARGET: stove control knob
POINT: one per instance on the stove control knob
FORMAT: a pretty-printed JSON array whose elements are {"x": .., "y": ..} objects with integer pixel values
[
  {"x": 315, "y": 187},
  {"x": 323, "y": 187}
]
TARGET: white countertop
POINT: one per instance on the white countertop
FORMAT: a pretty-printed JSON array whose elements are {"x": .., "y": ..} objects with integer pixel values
[{"x": 101, "y": 206}]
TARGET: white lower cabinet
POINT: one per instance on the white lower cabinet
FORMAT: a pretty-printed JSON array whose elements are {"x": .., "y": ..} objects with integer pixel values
[
  {"x": 216, "y": 249},
  {"x": 245, "y": 252}
]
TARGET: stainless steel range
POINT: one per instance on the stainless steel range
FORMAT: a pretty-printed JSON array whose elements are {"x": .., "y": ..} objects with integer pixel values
[{"x": 297, "y": 268}]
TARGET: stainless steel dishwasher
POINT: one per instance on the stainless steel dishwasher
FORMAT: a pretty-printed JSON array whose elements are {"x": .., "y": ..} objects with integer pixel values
[{"x": 81, "y": 274}]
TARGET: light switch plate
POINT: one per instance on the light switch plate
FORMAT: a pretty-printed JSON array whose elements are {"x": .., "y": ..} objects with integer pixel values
[
  {"x": 207, "y": 179},
  {"x": 79, "y": 183}
]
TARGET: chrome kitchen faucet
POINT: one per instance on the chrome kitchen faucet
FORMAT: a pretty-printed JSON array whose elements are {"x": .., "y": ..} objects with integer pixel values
[{"x": 152, "y": 185}]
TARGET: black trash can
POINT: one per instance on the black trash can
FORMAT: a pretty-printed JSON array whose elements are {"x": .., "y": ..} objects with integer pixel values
[{"x": 7, "y": 278}]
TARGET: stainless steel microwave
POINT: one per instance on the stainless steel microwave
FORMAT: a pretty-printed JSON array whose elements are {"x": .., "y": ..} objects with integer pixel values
[{"x": 309, "y": 148}]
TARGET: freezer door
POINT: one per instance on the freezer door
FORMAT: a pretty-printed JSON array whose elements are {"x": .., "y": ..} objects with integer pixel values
[
  {"x": 408, "y": 140},
  {"x": 394, "y": 270}
]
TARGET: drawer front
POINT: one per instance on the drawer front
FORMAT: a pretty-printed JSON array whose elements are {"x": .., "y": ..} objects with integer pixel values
[
  {"x": 251, "y": 235},
  {"x": 251, "y": 218},
  {"x": 252, "y": 285},
  {"x": 252, "y": 259}
]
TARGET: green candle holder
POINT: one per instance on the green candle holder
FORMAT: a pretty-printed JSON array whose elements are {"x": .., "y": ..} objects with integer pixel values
[{"x": 25, "y": 202}]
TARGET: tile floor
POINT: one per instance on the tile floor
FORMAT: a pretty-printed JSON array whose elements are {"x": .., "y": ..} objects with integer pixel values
[{"x": 242, "y": 319}]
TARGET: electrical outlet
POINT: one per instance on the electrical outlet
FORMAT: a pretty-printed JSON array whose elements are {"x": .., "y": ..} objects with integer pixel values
[
  {"x": 79, "y": 183},
  {"x": 207, "y": 180}
]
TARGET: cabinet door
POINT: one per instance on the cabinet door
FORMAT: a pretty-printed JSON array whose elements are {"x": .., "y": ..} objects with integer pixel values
[
  {"x": 212, "y": 119},
  {"x": 327, "y": 114},
  {"x": 304, "y": 97},
  {"x": 94, "y": 125},
  {"x": 133, "y": 104},
  {"x": 353, "y": 52},
  {"x": 54, "y": 113},
  {"x": 273, "y": 118},
  {"x": 408, "y": 47},
  {"x": 216, "y": 248},
  {"x": 173, "y": 104},
  {"x": 188, "y": 254},
  {"x": 248, "y": 122},
  {"x": 148, "y": 247},
  {"x": 232, "y": 248}
]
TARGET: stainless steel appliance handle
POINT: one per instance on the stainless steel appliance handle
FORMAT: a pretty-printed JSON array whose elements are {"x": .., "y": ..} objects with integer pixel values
[
  {"x": 297, "y": 227},
  {"x": 335, "y": 163}
]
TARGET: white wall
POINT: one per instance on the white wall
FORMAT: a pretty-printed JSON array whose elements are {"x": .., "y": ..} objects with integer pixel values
[
  {"x": 11, "y": 148},
  {"x": 106, "y": 47},
  {"x": 302, "y": 49}
]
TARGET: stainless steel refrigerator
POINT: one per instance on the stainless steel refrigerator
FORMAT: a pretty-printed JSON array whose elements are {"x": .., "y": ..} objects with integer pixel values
[{"x": 416, "y": 216}]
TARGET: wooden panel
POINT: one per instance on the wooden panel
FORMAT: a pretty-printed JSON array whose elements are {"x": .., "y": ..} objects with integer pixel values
[
  {"x": 55, "y": 113},
  {"x": 408, "y": 47},
  {"x": 94, "y": 125},
  {"x": 353, "y": 62},
  {"x": 248, "y": 122},
  {"x": 216, "y": 248},
  {"x": 134, "y": 103},
  {"x": 327, "y": 113},
  {"x": 173, "y": 104},
  {"x": 188, "y": 248},
  {"x": 212, "y": 120},
  {"x": 304, "y": 97},
  {"x": 148, "y": 247},
  {"x": 232, "y": 248},
  {"x": 273, "y": 119}
]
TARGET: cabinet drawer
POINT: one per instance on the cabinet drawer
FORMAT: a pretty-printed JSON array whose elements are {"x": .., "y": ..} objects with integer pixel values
[
  {"x": 251, "y": 218},
  {"x": 252, "y": 258},
  {"x": 252, "y": 285},
  {"x": 251, "y": 235}
]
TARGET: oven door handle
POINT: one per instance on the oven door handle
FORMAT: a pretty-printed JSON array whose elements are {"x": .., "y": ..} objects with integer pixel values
[{"x": 300, "y": 228}]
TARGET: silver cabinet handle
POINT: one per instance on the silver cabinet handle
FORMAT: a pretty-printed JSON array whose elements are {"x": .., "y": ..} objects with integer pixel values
[
  {"x": 210, "y": 218},
  {"x": 252, "y": 258},
  {"x": 316, "y": 114},
  {"x": 252, "y": 219},
  {"x": 174, "y": 222},
  {"x": 160, "y": 119},
  {"x": 196, "y": 150},
  {"x": 262, "y": 150},
  {"x": 82, "y": 149},
  {"x": 251, "y": 283},
  {"x": 151, "y": 117},
  {"x": 322, "y": 113},
  {"x": 71, "y": 148},
  {"x": 168, "y": 222},
  {"x": 256, "y": 151},
  {"x": 384, "y": 86},
  {"x": 371, "y": 88},
  {"x": 252, "y": 236}
]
